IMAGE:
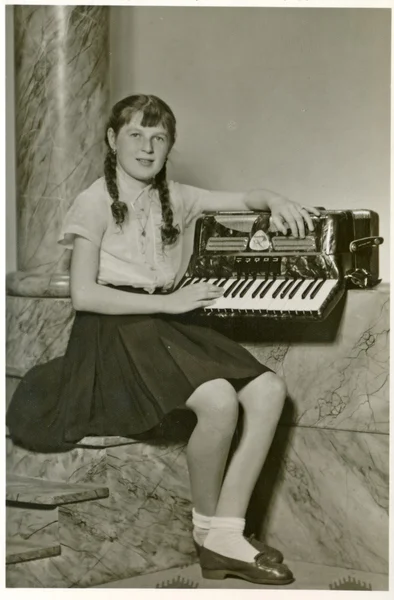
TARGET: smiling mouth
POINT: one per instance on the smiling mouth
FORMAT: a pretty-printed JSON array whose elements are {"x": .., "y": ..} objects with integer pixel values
[{"x": 146, "y": 162}]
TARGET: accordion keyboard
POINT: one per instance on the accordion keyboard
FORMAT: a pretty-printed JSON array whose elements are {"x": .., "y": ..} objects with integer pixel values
[{"x": 269, "y": 296}]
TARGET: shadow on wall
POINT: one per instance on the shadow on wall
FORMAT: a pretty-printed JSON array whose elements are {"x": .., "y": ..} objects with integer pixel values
[{"x": 258, "y": 511}]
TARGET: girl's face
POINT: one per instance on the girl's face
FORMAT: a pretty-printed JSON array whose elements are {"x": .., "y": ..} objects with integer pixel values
[{"x": 141, "y": 151}]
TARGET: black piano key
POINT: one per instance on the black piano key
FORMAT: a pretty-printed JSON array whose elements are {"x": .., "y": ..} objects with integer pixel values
[
  {"x": 221, "y": 284},
  {"x": 259, "y": 287},
  {"x": 317, "y": 288},
  {"x": 287, "y": 288},
  {"x": 296, "y": 288},
  {"x": 187, "y": 282},
  {"x": 216, "y": 281},
  {"x": 315, "y": 284},
  {"x": 265, "y": 290},
  {"x": 230, "y": 288},
  {"x": 246, "y": 288},
  {"x": 239, "y": 287},
  {"x": 308, "y": 289},
  {"x": 278, "y": 289}
]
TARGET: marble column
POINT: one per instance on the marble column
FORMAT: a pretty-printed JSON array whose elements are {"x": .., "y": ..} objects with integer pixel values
[{"x": 61, "y": 98}]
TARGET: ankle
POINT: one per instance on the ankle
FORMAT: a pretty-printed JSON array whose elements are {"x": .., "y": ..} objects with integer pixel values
[
  {"x": 201, "y": 526},
  {"x": 226, "y": 538}
]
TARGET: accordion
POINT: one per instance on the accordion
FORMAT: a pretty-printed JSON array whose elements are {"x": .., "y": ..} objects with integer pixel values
[{"x": 267, "y": 274}]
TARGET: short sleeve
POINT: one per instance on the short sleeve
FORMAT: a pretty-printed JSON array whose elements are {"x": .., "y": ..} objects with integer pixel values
[
  {"x": 86, "y": 217},
  {"x": 197, "y": 200},
  {"x": 193, "y": 199}
]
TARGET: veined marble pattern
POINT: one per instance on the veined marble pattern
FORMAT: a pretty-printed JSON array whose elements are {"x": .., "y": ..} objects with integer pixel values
[
  {"x": 329, "y": 506},
  {"x": 37, "y": 525},
  {"x": 31, "y": 533},
  {"x": 144, "y": 525},
  {"x": 38, "y": 330},
  {"x": 330, "y": 500},
  {"x": 18, "y": 551},
  {"x": 38, "y": 491},
  {"x": 40, "y": 285},
  {"x": 342, "y": 384},
  {"x": 61, "y": 107},
  {"x": 80, "y": 465}
]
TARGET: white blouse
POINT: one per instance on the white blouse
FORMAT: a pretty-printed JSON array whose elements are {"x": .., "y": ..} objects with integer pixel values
[{"x": 133, "y": 253}]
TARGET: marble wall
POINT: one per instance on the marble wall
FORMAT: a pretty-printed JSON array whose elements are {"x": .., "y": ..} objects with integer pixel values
[
  {"x": 143, "y": 526},
  {"x": 61, "y": 96},
  {"x": 37, "y": 330},
  {"x": 323, "y": 494},
  {"x": 343, "y": 384},
  {"x": 323, "y": 497}
]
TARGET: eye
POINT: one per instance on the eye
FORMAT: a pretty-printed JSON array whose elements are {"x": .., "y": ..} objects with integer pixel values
[
  {"x": 160, "y": 138},
  {"x": 134, "y": 134}
]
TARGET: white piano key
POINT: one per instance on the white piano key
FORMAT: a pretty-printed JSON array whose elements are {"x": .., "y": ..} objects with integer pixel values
[
  {"x": 247, "y": 302},
  {"x": 236, "y": 302},
  {"x": 267, "y": 299},
  {"x": 322, "y": 294},
  {"x": 185, "y": 282},
  {"x": 309, "y": 303},
  {"x": 221, "y": 303},
  {"x": 297, "y": 303},
  {"x": 259, "y": 303},
  {"x": 278, "y": 304}
]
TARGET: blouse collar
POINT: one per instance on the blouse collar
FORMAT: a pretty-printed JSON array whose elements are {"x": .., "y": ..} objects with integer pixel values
[{"x": 128, "y": 186}]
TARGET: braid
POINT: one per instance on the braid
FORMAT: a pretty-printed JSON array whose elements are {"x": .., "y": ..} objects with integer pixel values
[
  {"x": 119, "y": 209},
  {"x": 169, "y": 232}
]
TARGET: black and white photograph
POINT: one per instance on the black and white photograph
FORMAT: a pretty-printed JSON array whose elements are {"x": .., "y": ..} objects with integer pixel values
[{"x": 197, "y": 306}]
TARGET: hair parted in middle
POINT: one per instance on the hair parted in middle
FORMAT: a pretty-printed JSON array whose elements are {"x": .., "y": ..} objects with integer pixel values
[{"x": 154, "y": 112}]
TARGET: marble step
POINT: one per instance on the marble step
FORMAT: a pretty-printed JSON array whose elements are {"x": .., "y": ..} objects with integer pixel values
[
  {"x": 18, "y": 551},
  {"x": 30, "y": 490},
  {"x": 31, "y": 533}
]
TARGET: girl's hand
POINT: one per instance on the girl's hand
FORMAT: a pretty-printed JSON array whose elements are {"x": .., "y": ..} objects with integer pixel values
[
  {"x": 191, "y": 297},
  {"x": 284, "y": 211}
]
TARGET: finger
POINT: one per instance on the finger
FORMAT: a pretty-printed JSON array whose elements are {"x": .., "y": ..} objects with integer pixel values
[
  {"x": 208, "y": 292},
  {"x": 307, "y": 218},
  {"x": 214, "y": 288},
  {"x": 278, "y": 222},
  {"x": 203, "y": 303},
  {"x": 299, "y": 220},
  {"x": 213, "y": 294},
  {"x": 291, "y": 221},
  {"x": 313, "y": 210}
]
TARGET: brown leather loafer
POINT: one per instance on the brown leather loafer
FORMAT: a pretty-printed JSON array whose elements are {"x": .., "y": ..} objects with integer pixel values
[
  {"x": 261, "y": 570},
  {"x": 271, "y": 554}
]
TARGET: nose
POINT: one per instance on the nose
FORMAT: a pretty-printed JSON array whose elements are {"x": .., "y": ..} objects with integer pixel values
[{"x": 147, "y": 146}]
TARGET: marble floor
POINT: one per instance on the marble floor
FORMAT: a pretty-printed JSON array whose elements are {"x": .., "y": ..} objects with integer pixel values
[{"x": 309, "y": 576}]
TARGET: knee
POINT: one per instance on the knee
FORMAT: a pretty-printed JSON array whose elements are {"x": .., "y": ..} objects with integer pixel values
[
  {"x": 216, "y": 403},
  {"x": 266, "y": 392}
]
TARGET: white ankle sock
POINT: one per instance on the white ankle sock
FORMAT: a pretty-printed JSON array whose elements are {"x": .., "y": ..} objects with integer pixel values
[
  {"x": 201, "y": 525},
  {"x": 226, "y": 537}
]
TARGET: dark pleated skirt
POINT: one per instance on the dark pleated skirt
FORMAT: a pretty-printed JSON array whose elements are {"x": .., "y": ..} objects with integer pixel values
[{"x": 121, "y": 375}]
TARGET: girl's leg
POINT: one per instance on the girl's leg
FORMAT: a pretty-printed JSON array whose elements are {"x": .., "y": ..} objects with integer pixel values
[
  {"x": 216, "y": 406},
  {"x": 262, "y": 400}
]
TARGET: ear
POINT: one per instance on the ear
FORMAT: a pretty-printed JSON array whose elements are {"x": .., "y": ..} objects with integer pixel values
[{"x": 111, "y": 137}]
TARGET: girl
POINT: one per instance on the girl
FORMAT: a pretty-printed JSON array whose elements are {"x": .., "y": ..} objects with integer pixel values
[{"x": 132, "y": 358}]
